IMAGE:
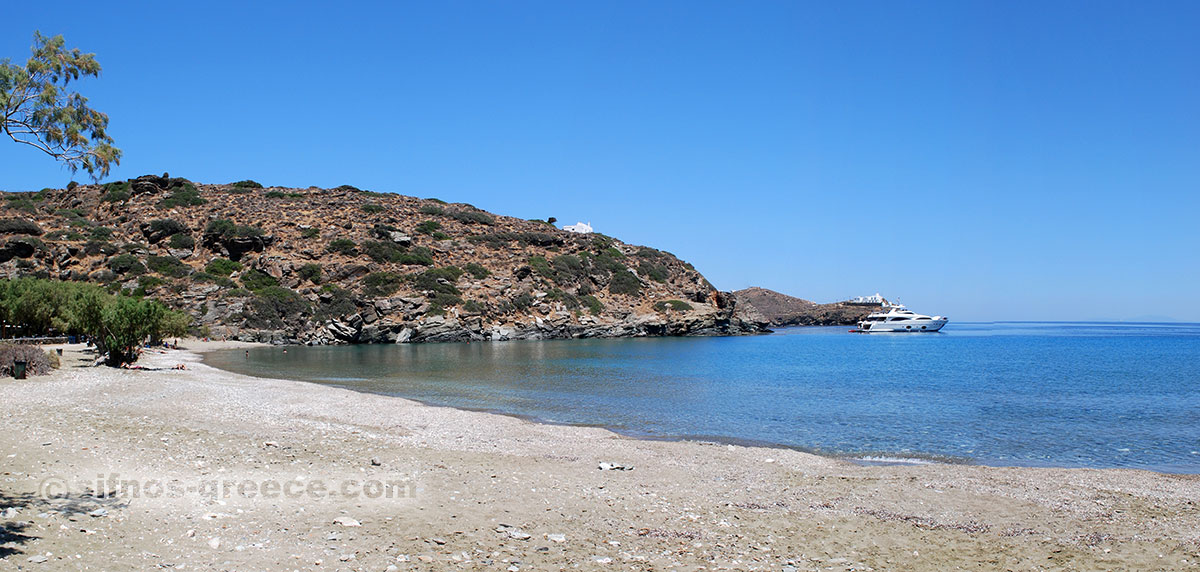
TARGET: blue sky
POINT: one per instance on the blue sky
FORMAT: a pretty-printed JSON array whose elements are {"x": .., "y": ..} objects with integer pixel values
[{"x": 1005, "y": 160}]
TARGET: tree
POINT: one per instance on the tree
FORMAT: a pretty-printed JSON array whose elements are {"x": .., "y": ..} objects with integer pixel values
[
  {"x": 117, "y": 323},
  {"x": 127, "y": 324},
  {"x": 39, "y": 111}
]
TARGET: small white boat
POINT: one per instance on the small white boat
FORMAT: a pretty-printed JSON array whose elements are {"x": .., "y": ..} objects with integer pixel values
[{"x": 900, "y": 319}]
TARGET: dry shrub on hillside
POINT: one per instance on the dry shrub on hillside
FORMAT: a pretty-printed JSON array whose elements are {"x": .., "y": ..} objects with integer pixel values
[{"x": 40, "y": 362}]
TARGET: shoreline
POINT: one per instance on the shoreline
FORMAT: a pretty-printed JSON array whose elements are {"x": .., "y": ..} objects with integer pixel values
[
  {"x": 866, "y": 458},
  {"x": 492, "y": 492},
  {"x": 874, "y": 458}
]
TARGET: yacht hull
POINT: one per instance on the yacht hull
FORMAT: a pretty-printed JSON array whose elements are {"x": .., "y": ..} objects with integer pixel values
[{"x": 906, "y": 326}]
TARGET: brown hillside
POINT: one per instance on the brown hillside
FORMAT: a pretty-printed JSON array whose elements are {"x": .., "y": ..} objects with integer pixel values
[
  {"x": 347, "y": 266},
  {"x": 782, "y": 310}
]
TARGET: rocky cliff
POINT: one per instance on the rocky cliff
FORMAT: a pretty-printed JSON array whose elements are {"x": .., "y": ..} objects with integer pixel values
[
  {"x": 326, "y": 266},
  {"x": 775, "y": 309}
]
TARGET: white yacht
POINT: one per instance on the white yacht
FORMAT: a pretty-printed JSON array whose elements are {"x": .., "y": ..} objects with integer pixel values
[{"x": 897, "y": 318}]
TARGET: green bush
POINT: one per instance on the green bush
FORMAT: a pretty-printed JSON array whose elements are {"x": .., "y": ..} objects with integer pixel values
[
  {"x": 126, "y": 264},
  {"x": 342, "y": 246},
  {"x": 347, "y": 188},
  {"x": 77, "y": 217},
  {"x": 100, "y": 233},
  {"x": 247, "y": 184},
  {"x": 451, "y": 273},
  {"x": 651, "y": 253},
  {"x": 335, "y": 303},
  {"x": 371, "y": 208},
  {"x": 274, "y": 308},
  {"x": 439, "y": 235},
  {"x": 181, "y": 241},
  {"x": 166, "y": 227},
  {"x": 94, "y": 247},
  {"x": 255, "y": 280},
  {"x": 382, "y": 231},
  {"x": 439, "y": 301},
  {"x": 226, "y": 228},
  {"x": 115, "y": 196},
  {"x": 20, "y": 203},
  {"x": 541, "y": 266},
  {"x": 275, "y": 194},
  {"x": 383, "y": 251},
  {"x": 568, "y": 269},
  {"x": 523, "y": 302},
  {"x": 117, "y": 188},
  {"x": 147, "y": 283},
  {"x": 654, "y": 271},
  {"x": 218, "y": 280},
  {"x": 19, "y": 226},
  {"x": 677, "y": 305},
  {"x": 476, "y": 270},
  {"x": 379, "y": 284},
  {"x": 432, "y": 210},
  {"x": 568, "y": 299},
  {"x": 186, "y": 195},
  {"x": 222, "y": 267},
  {"x": 429, "y": 227},
  {"x": 310, "y": 272},
  {"x": 309, "y": 233},
  {"x": 474, "y": 306},
  {"x": 438, "y": 285},
  {"x": 624, "y": 282},
  {"x": 592, "y": 303},
  {"x": 168, "y": 266},
  {"x": 63, "y": 235},
  {"x": 418, "y": 256},
  {"x": 472, "y": 217},
  {"x": 500, "y": 240}
]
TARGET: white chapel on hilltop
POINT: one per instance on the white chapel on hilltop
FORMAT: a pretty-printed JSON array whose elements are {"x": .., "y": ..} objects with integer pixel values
[{"x": 580, "y": 227}]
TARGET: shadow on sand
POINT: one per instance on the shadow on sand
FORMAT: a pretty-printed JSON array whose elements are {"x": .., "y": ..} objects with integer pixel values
[{"x": 16, "y": 509}]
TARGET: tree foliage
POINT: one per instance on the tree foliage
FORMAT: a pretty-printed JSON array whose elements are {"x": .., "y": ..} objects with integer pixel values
[
  {"x": 38, "y": 110},
  {"x": 117, "y": 323}
]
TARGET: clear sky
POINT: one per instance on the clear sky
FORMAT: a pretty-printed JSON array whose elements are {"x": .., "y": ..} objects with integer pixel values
[{"x": 1002, "y": 160}]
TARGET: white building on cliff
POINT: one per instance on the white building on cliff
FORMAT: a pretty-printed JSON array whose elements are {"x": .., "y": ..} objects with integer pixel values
[{"x": 579, "y": 227}]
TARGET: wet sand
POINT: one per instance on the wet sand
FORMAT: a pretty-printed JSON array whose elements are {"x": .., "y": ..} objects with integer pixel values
[{"x": 200, "y": 469}]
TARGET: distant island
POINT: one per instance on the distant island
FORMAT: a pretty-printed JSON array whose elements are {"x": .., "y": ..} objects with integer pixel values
[
  {"x": 778, "y": 310},
  {"x": 343, "y": 265}
]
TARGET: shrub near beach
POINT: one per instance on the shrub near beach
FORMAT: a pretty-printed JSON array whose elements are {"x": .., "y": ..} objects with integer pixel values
[
  {"x": 39, "y": 362},
  {"x": 117, "y": 323}
]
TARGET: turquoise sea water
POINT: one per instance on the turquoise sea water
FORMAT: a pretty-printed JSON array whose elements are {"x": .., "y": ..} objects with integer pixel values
[{"x": 1032, "y": 394}]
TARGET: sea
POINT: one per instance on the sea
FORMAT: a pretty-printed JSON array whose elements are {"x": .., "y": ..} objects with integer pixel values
[{"x": 1044, "y": 394}]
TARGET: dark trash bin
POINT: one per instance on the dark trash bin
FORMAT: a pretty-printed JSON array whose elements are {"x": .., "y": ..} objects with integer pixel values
[{"x": 19, "y": 369}]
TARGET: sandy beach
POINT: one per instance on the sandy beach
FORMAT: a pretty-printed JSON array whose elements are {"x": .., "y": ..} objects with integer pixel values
[{"x": 200, "y": 469}]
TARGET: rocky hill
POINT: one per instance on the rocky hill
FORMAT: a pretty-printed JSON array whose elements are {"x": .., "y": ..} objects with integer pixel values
[
  {"x": 777, "y": 309},
  {"x": 324, "y": 266}
]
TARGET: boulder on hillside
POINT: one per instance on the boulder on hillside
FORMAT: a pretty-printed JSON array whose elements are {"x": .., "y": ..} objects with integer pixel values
[
  {"x": 17, "y": 248},
  {"x": 234, "y": 247}
]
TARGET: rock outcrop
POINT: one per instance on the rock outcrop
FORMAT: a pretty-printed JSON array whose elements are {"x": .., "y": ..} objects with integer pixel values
[
  {"x": 777, "y": 310},
  {"x": 336, "y": 266}
]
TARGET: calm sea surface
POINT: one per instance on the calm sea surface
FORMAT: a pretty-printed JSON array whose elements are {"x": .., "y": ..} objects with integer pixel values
[{"x": 1034, "y": 394}]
